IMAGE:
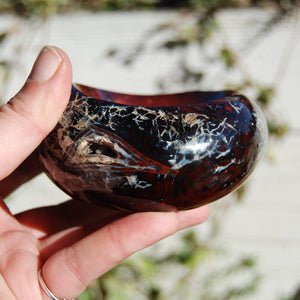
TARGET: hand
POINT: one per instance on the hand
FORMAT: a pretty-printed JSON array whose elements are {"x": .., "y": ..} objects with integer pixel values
[{"x": 73, "y": 242}]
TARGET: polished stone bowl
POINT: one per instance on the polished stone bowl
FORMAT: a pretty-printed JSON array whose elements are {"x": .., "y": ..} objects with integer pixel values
[{"x": 153, "y": 153}]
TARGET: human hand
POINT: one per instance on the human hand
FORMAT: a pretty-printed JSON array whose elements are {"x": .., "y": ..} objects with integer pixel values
[{"x": 73, "y": 242}]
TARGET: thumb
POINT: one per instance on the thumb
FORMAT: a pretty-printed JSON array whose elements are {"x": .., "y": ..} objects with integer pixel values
[{"x": 28, "y": 117}]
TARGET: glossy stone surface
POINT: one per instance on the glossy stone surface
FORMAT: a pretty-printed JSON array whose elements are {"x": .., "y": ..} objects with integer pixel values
[{"x": 148, "y": 153}]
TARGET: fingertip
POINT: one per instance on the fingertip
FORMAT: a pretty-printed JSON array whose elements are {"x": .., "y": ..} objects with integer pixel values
[
  {"x": 193, "y": 217},
  {"x": 58, "y": 90},
  {"x": 46, "y": 92},
  {"x": 46, "y": 65}
]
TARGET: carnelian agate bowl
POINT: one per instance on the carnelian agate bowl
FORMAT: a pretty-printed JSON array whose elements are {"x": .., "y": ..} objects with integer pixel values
[{"x": 153, "y": 153}]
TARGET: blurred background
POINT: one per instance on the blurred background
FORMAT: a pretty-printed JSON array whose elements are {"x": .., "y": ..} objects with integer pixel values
[{"x": 250, "y": 247}]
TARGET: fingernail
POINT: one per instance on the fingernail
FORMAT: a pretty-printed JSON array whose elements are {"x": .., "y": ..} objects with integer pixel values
[{"x": 45, "y": 65}]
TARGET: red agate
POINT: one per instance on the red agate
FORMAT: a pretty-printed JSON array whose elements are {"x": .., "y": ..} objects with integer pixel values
[{"x": 153, "y": 152}]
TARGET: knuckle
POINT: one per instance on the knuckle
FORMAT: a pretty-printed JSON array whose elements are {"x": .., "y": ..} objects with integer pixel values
[
  {"x": 119, "y": 252},
  {"x": 17, "y": 109},
  {"x": 73, "y": 264}
]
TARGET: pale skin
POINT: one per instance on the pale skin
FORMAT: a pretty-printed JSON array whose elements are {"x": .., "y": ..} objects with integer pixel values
[{"x": 73, "y": 242}]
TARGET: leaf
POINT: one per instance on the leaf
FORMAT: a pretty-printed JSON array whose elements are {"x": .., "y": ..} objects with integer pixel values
[
  {"x": 227, "y": 57},
  {"x": 3, "y": 36},
  {"x": 174, "y": 44},
  {"x": 276, "y": 128},
  {"x": 265, "y": 96}
]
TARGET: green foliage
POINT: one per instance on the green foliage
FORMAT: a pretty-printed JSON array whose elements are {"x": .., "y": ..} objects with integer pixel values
[
  {"x": 42, "y": 8},
  {"x": 128, "y": 4},
  {"x": 36, "y": 8},
  {"x": 29, "y": 8},
  {"x": 205, "y": 5}
]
